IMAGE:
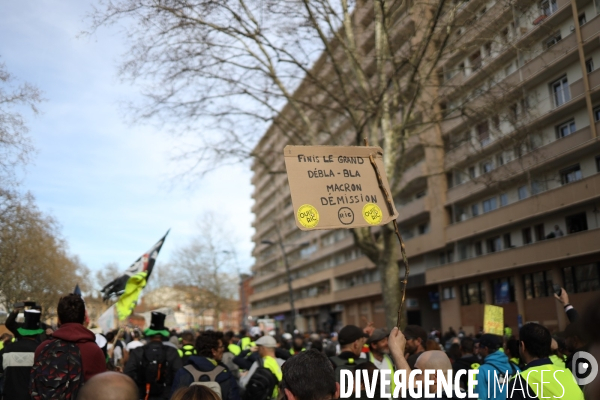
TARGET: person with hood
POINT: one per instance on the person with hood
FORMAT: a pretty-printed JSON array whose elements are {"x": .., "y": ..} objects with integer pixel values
[
  {"x": 71, "y": 316},
  {"x": 496, "y": 369},
  {"x": 207, "y": 366},
  {"x": 16, "y": 359}
]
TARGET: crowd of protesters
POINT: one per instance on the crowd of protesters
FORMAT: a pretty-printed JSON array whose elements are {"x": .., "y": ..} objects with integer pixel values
[{"x": 72, "y": 362}]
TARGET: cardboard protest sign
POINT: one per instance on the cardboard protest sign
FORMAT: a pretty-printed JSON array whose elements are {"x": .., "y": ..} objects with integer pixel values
[
  {"x": 493, "y": 320},
  {"x": 337, "y": 187}
]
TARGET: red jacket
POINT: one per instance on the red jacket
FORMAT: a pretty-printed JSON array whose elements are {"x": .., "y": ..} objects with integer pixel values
[{"x": 92, "y": 357}]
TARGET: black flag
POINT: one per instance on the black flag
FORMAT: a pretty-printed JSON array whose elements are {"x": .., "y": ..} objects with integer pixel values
[{"x": 144, "y": 263}]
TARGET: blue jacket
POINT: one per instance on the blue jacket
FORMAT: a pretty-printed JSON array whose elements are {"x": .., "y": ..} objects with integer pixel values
[
  {"x": 495, "y": 364},
  {"x": 229, "y": 386}
]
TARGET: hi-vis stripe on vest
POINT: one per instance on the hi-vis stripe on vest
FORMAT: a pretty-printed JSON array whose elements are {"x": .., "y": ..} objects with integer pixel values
[
  {"x": 17, "y": 359},
  {"x": 557, "y": 382},
  {"x": 390, "y": 367}
]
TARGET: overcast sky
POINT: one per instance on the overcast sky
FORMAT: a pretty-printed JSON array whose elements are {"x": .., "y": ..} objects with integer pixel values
[{"x": 105, "y": 181}]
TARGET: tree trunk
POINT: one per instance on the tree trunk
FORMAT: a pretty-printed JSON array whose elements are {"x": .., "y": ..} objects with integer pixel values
[{"x": 390, "y": 275}]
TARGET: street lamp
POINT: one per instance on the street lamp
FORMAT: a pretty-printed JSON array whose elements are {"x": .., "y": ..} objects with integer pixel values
[{"x": 287, "y": 268}]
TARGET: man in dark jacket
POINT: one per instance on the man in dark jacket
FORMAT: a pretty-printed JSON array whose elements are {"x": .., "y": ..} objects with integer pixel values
[
  {"x": 16, "y": 359},
  {"x": 210, "y": 348},
  {"x": 141, "y": 359},
  {"x": 467, "y": 360},
  {"x": 71, "y": 315}
]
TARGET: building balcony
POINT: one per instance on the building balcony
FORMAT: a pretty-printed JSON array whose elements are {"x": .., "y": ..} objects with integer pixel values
[
  {"x": 366, "y": 290},
  {"x": 413, "y": 210},
  {"x": 535, "y": 159},
  {"x": 545, "y": 251},
  {"x": 573, "y": 194},
  {"x": 416, "y": 171}
]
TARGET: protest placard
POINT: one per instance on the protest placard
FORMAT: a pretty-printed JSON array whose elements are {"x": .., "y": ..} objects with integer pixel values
[
  {"x": 493, "y": 320},
  {"x": 337, "y": 187}
]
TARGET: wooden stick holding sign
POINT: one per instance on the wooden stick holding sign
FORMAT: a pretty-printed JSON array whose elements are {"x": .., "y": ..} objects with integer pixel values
[
  {"x": 332, "y": 187},
  {"x": 390, "y": 203}
]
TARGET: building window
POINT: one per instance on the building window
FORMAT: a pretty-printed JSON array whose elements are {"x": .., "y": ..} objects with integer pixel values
[
  {"x": 494, "y": 245},
  {"x": 478, "y": 249},
  {"x": 507, "y": 241},
  {"x": 571, "y": 174},
  {"x": 473, "y": 293},
  {"x": 537, "y": 187},
  {"x": 538, "y": 284},
  {"x": 539, "y": 232},
  {"x": 472, "y": 172},
  {"x": 597, "y": 114},
  {"x": 475, "y": 60},
  {"x": 565, "y": 129},
  {"x": 522, "y": 192},
  {"x": 552, "y": 40},
  {"x": 448, "y": 293},
  {"x": 598, "y": 163},
  {"x": 474, "y": 210},
  {"x": 500, "y": 159},
  {"x": 527, "y": 236},
  {"x": 423, "y": 229},
  {"x": 489, "y": 205},
  {"x": 582, "y": 278},
  {"x": 487, "y": 166},
  {"x": 577, "y": 223},
  {"x": 504, "y": 290},
  {"x": 503, "y": 199},
  {"x": 589, "y": 65},
  {"x": 461, "y": 67},
  {"x": 462, "y": 251},
  {"x": 483, "y": 133},
  {"x": 549, "y": 7},
  {"x": 582, "y": 19},
  {"x": 422, "y": 193},
  {"x": 560, "y": 91}
]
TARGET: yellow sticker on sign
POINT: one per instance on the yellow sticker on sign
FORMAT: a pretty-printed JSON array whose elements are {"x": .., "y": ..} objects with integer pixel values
[
  {"x": 372, "y": 213},
  {"x": 308, "y": 216}
]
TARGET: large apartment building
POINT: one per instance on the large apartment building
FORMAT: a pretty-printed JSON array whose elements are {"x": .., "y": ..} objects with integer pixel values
[{"x": 516, "y": 210}]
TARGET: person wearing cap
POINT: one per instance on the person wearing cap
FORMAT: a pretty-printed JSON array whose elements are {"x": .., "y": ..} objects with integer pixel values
[
  {"x": 379, "y": 355},
  {"x": 16, "y": 359},
  {"x": 351, "y": 339},
  {"x": 496, "y": 369},
  {"x": 266, "y": 350},
  {"x": 416, "y": 337},
  {"x": 155, "y": 334}
]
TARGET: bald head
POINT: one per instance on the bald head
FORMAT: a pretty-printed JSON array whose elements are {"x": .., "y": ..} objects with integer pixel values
[
  {"x": 109, "y": 386},
  {"x": 433, "y": 359}
]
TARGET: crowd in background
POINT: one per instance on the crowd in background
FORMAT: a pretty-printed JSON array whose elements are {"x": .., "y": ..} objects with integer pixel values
[{"x": 71, "y": 362}]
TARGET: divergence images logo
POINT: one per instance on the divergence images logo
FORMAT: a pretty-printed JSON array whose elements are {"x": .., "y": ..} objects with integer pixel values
[{"x": 584, "y": 367}]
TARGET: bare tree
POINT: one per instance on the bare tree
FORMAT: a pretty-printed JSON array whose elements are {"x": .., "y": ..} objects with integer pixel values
[
  {"x": 34, "y": 261},
  {"x": 314, "y": 72},
  {"x": 15, "y": 144},
  {"x": 205, "y": 269}
]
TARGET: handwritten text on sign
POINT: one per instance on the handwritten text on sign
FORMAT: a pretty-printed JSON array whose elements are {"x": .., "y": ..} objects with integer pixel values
[{"x": 336, "y": 187}]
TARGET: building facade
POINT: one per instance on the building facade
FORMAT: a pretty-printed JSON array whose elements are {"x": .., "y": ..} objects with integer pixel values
[{"x": 515, "y": 211}]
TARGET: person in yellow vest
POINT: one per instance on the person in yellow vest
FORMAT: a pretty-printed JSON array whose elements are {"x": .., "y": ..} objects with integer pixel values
[
  {"x": 187, "y": 349},
  {"x": 297, "y": 345},
  {"x": 266, "y": 350},
  {"x": 246, "y": 341},
  {"x": 541, "y": 378},
  {"x": 379, "y": 355},
  {"x": 232, "y": 347}
]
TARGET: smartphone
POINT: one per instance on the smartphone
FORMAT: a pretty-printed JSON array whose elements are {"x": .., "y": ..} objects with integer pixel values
[{"x": 557, "y": 289}]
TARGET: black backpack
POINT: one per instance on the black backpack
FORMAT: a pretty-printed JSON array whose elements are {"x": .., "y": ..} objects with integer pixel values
[
  {"x": 349, "y": 364},
  {"x": 58, "y": 372},
  {"x": 261, "y": 384},
  {"x": 153, "y": 370}
]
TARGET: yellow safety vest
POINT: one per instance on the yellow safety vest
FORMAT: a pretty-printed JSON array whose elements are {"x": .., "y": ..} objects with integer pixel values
[
  {"x": 558, "y": 382},
  {"x": 292, "y": 352},
  {"x": 390, "y": 367},
  {"x": 187, "y": 350},
  {"x": 246, "y": 343},
  {"x": 557, "y": 361},
  {"x": 271, "y": 364},
  {"x": 234, "y": 349}
]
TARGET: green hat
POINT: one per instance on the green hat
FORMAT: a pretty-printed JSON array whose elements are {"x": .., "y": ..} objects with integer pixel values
[
  {"x": 157, "y": 325},
  {"x": 31, "y": 327}
]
